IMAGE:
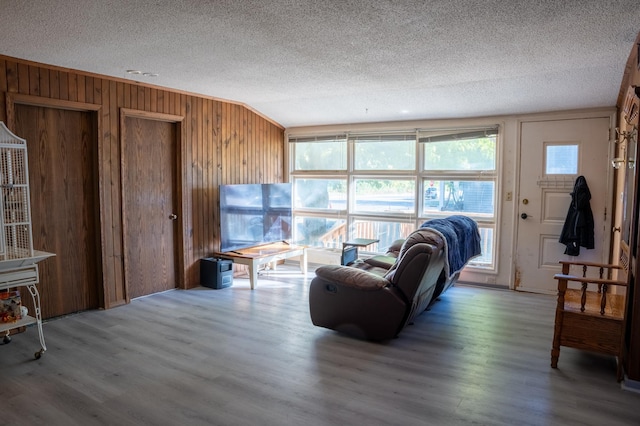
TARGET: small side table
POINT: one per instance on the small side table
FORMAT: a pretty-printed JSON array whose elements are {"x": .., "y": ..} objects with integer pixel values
[{"x": 350, "y": 249}]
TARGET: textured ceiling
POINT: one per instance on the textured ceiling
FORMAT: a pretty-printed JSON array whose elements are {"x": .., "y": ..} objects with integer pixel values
[{"x": 311, "y": 62}]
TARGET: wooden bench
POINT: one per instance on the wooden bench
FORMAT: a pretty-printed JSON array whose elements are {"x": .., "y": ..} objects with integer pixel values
[{"x": 591, "y": 317}]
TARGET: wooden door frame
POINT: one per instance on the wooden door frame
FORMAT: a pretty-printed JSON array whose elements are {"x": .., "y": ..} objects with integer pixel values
[
  {"x": 13, "y": 99},
  {"x": 178, "y": 185},
  {"x": 609, "y": 113}
]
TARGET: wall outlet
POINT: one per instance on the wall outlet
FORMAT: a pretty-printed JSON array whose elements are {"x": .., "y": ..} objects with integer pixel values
[{"x": 509, "y": 196}]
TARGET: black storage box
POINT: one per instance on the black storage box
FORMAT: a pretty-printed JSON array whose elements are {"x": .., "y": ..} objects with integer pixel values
[
  {"x": 349, "y": 255},
  {"x": 216, "y": 273}
]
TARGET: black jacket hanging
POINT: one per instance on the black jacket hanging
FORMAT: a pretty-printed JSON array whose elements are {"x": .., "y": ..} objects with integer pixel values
[{"x": 578, "y": 227}]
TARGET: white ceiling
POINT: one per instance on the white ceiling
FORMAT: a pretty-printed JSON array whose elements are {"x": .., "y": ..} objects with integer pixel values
[{"x": 313, "y": 62}]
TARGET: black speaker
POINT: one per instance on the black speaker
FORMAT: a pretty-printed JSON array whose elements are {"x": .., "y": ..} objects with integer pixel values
[{"x": 216, "y": 273}]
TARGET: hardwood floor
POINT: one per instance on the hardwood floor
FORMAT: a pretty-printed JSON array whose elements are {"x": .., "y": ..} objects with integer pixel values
[{"x": 241, "y": 357}]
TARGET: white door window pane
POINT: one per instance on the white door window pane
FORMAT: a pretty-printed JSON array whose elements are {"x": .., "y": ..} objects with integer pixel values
[{"x": 561, "y": 160}]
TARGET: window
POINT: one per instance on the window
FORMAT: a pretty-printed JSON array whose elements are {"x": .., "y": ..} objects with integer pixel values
[
  {"x": 459, "y": 177},
  {"x": 561, "y": 159},
  {"x": 318, "y": 174},
  {"x": 319, "y": 231},
  {"x": 384, "y": 185},
  {"x": 385, "y": 152},
  {"x": 384, "y": 196},
  {"x": 320, "y": 153},
  {"x": 319, "y": 194},
  {"x": 387, "y": 231},
  {"x": 469, "y": 154},
  {"x": 473, "y": 197}
]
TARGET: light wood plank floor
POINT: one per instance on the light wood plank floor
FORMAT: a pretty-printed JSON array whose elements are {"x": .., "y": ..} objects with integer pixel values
[{"x": 242, "y": 357}]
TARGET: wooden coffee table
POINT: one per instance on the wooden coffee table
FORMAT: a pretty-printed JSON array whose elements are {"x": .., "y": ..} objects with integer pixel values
[{"x": 268, "y": 253}]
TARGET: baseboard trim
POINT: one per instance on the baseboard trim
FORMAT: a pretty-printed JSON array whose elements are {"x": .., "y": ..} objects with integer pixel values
[{"x": 630, "y": 385}]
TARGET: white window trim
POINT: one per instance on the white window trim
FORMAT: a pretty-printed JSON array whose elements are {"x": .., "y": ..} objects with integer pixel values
[{"x": 419, "y": 174}]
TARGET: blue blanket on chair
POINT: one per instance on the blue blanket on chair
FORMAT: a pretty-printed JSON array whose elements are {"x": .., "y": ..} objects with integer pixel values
[{"x": 462, "y": 240}]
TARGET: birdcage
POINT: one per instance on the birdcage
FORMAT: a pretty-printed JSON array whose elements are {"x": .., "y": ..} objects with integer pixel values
[
  {"x": 18, "y": 259},
  {"x": 15, "y": 218}
]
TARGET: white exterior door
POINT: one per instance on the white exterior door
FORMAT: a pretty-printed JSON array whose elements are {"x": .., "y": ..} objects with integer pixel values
[{"x": 552, "y": 155}]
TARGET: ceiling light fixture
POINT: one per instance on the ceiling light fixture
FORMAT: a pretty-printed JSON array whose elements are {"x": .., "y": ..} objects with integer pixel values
[{"x": 145, "y": 73}]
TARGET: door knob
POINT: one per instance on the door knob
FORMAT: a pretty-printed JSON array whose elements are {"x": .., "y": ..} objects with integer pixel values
[
  {"x": 173, "y": 216},
  {"x": 524, "y": 215}
]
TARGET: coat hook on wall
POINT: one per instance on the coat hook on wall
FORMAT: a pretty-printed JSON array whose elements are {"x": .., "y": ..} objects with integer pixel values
[{"x": 630, "y": 137}]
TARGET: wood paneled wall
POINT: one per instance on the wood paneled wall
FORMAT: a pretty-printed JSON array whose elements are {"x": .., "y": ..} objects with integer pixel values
[
  {"x": 631, "y": 78},
  {"x": 221, "y": 143}
]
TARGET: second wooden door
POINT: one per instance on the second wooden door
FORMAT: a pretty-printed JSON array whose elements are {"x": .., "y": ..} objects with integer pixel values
[{"x": 149, "y": 205}]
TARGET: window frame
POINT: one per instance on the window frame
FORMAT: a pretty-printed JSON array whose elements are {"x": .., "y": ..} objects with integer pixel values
[{"x": 419, "y": 175}]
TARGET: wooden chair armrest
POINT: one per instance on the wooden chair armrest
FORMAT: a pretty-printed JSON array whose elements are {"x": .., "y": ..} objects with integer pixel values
[
  {"x": 589, "y": 280},
  {"x": 601, "y": 296},
  {"x": 594, "y": 264}
]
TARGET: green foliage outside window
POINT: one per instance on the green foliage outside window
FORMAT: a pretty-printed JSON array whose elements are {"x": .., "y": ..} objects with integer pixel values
[
  {"x": 385, "y": 155},
  {"x": 379, "y": 186},
  {"x": 467, "y": 154},
  {"x": 325, "y": 155}
]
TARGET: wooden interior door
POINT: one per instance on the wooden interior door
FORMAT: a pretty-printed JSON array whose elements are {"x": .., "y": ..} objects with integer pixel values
[
  {"x": 149, "y": 205},
  {"x": 62, "y": 150}
]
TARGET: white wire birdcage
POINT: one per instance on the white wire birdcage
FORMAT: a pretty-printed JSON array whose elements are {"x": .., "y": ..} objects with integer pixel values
[{"x": 15, "y": 220}]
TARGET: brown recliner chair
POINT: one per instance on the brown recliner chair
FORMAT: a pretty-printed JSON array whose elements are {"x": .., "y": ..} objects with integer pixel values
[{"x": 376, "y": 302}]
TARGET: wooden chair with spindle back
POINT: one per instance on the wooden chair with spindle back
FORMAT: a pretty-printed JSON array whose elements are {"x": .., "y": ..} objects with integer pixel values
[{"x": 592, "y": 316}]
